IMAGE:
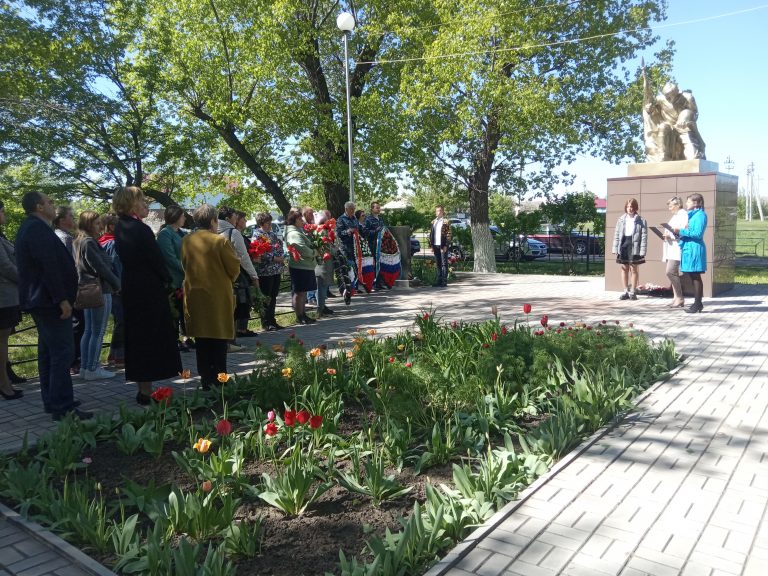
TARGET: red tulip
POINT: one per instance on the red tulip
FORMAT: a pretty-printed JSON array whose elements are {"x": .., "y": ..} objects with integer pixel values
[
  {"x": 289, "y": 418},
  {"x": 486, "y": 345},
  {"x": 391, "y": 359},
  {"x": 526, "y": 308},
  {"x": 224, "y": 427},
  {"x": 270, "y": 429},
  {"x": 504, "y": 330},
  {"x": 302, "y": 417},
  {"x": 163, "y": 394},
  {"x": 544, "y": 320},
  {"x": 494, "y": 336},
  {"x": 326, "y": 257},
  {"x": 315, "y": 422},
  {"x": 408, "y": 364}
]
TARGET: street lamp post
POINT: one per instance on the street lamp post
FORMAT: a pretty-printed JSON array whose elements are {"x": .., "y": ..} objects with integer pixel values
[{"x": 346, "y": 23}]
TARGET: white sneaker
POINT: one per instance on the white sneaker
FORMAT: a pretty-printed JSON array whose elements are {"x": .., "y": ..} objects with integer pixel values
[{"x": 98, "y": 374}]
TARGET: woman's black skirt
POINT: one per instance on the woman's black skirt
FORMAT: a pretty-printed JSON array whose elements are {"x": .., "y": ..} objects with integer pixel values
[
  {"x": 625, "y": 255},
  {"x": 302, "y": 280}
]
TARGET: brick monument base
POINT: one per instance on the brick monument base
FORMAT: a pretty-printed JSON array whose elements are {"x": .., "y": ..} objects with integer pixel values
[{"x": 652, "y": 185}]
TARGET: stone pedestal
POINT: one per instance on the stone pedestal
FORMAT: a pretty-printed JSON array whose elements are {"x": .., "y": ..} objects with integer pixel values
[
  {"x": 403, "y": 236},
  {"x": 652, "y": 185}
]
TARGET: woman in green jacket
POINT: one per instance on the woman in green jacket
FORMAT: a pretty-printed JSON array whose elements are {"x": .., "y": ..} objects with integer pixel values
[
  {"x": 169, "y": 239},
  {"x": 301, "y": 264}
]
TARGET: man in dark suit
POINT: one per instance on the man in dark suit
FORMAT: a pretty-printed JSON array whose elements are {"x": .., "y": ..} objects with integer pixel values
[
  {"x": 47, "y": 290},
  {"x": 440, "y": 240}
]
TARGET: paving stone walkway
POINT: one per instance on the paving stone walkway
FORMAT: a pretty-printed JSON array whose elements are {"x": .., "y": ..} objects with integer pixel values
[{"x": 678, "y": 487}]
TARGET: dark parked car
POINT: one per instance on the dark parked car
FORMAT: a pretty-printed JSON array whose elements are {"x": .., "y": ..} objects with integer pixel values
[
  {"x": 415, "y": 245},
  {"x": 576, "y": 242}
]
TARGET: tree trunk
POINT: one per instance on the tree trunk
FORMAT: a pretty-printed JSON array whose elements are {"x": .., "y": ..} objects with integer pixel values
[
  {"x": 482, "y": 241},
  {"x": 482, "y": 245}
]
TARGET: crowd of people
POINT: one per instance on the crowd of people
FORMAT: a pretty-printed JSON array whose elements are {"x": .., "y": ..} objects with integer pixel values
[{"x": 190, "y": 287}]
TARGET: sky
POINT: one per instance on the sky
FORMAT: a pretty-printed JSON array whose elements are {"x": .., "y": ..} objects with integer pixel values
[{"x": 724, "y": 62}]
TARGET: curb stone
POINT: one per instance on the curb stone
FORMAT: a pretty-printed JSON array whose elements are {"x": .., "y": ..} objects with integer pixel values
[
  {"x": 76, "y": 558},
  {"x": 458, "y": 552}
]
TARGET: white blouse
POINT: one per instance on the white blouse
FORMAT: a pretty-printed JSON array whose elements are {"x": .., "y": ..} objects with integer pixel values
[
  {"x": 629, "y": 225},
  {"x": 671, "y": 250}
]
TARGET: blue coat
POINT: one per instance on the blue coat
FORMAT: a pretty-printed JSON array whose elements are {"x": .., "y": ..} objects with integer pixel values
[
  {"x": 693, "y": 253},
  {"x": 47, "y": 273}
]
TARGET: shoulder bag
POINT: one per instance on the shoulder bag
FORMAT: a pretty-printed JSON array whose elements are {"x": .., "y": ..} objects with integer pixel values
[{"x": 89, "y": 294}]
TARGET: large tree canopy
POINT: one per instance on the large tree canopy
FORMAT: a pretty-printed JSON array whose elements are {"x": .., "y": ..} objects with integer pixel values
[
  {"x": 246, "y": 97},
  {"x": 508, "y": 91}
]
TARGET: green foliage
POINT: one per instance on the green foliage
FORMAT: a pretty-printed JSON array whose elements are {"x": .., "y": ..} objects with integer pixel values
[
  {"x": 367, "y": 477},
  {"x": 408, "y": 216},
  {"x": 291, "y": 488}
]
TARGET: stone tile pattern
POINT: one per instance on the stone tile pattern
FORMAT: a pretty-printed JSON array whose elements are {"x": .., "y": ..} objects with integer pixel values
[{"x": 678, "y": 487}]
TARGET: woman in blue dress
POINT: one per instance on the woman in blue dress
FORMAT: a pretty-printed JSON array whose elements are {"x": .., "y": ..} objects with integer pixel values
[{"x": 693, "y": 252}]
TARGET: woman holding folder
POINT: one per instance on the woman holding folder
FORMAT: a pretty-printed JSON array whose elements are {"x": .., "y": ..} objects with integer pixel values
[
  {"x": 693, "y": 252},
  {"x": 671, "y": 248}
]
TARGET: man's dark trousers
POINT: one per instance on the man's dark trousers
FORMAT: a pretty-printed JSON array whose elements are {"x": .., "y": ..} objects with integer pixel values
[
  {"x": 55, "y": 352},
  {"x": 441, "y": 261}
]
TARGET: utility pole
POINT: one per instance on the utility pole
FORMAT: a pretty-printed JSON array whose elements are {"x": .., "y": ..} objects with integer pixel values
[
  {"x": 729, "y": 163},
  {"x": 748, "y": 204},
  {"x": 759, "y": 199}
]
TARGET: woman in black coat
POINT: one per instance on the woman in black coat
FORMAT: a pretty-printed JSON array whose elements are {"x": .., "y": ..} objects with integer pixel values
[{"x": 151, "y": 352}]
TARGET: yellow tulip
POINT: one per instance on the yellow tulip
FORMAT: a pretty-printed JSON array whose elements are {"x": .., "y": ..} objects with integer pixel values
[
  {"x": 202, "y": 445},
  {"x": 287, "y": 372},
  {"x": 223, "y": 377},
  {"x": 315, "y": 352}
]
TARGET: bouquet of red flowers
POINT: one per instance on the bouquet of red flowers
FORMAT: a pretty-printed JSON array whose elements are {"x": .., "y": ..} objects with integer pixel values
[
  {"x": 322, "y": 236},
  {"x": 259, "y": 247}
]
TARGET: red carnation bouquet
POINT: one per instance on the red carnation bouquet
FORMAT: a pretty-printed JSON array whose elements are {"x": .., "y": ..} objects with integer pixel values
[
  {"x": 322, "y": 236},
  {"x": 259, "y": 247}
]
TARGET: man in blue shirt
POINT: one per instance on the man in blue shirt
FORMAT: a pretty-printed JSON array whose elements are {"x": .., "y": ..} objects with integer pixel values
[{"x": 47, "y": 290}]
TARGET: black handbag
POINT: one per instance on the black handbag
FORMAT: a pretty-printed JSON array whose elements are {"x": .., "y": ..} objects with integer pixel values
[{"x": 242, "y": 288}]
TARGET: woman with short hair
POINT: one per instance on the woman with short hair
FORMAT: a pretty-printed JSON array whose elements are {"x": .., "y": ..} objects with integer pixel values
[
  {"x": 94, "y": 263},
  {"x": 671, "y": 249},
  {"x": 150, "y": 338},
  {"x": 301, "y": 264},
  {"x": 169, "y": 239},
  {"x": 210, "y": 268},
  {"x": 270, "y": 269}
]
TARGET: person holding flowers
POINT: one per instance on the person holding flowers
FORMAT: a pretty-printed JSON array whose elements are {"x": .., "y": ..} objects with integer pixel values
[
  {"x": 347, "y": 230},
  {"x": 301, "y": 264},
  {"x": 322, "y": 237},
  {"x": 210, "y": 266},
  {"x": 270, "y": 266}
]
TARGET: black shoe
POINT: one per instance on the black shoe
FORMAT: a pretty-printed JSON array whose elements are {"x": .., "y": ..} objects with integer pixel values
[
  {"x": 306, "y": 320},
  {"x": 695, "y": 307},
  {"x": 75, "y": 404},
  {"x": 326, "y": 311},
  {"x": 12, "y": 376},
  {"x": 633, "y": 296},
  {"x": 272, "y": 328},
  {"x": 436, "y": 285},
  {"x": 79, "y": 414},
  {"x": 624, "y": 296},
  {"x": 143, "y": 399},
  {"x": 247, "y": 334},
  {"x": 332, "y": 295},
  {"x": 14, "y": 396},
  {"x": 347, "y": 297}
]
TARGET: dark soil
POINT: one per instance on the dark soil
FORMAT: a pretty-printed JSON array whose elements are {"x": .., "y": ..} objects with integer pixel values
[{"x": 309, "y": 544}]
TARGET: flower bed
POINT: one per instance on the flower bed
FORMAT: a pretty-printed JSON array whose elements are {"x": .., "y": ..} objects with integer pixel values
[{"x": 374, "y": 458}]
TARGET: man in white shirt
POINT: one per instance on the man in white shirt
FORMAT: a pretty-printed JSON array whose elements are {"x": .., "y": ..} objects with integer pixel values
[{"x": 439, "y": 240}]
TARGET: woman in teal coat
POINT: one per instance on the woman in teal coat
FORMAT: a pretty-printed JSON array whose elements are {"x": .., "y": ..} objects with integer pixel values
[{"x": 693, "y": 252}]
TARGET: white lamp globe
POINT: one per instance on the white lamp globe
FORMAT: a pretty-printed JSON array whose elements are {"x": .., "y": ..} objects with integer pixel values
[{"x": 346, "y": 22}]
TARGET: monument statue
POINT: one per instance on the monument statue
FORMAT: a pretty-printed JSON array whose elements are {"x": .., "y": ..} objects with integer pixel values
[{"x": 669, "y": 122}]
